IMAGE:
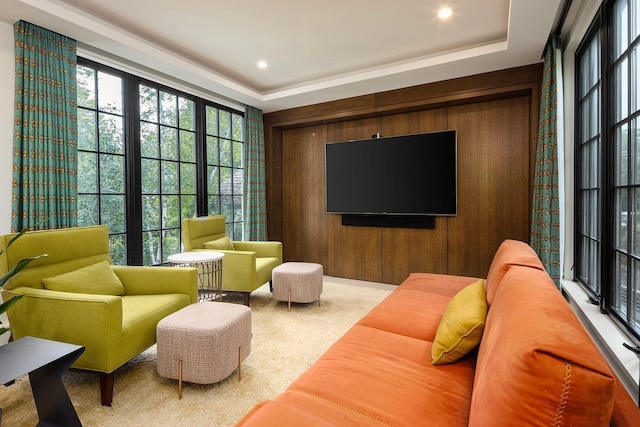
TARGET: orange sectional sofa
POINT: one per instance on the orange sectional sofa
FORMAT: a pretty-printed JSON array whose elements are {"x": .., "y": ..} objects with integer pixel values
[{"x": 535, "y": 364}]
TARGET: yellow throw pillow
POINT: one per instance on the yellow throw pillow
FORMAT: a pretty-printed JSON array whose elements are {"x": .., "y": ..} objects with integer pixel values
[
  {"x": 223, "y": 243},
  {"x": 462, "y": 324},
  {"x": 97, "y": 279}
]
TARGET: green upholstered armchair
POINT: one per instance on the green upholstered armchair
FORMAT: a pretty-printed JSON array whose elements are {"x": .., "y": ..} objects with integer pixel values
[
  {"x": 246, "y": 265},
  {"x": 75, "y": 295}
]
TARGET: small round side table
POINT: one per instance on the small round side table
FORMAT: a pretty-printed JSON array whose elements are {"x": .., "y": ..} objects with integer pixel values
[{"x": 209, "y": 265}]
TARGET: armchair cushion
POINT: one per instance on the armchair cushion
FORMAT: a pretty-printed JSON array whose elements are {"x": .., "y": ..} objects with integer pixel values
[
  {"x": 97, "y": 279},
  {"x": 223, "y": 243}
]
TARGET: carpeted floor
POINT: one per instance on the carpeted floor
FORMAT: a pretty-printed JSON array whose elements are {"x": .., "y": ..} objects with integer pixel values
[{"x": 284, "y": 345}]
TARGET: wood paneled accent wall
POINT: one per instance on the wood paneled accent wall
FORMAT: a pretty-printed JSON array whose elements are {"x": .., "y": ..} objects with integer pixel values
[{"x": 495, "y": 116}]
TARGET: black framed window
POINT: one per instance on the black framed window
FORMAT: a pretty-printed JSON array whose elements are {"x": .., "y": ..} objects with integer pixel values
[
  {"x": 168, "y": 170},
  {"x": 625, "y": 161},
  {"x": 589, "y": 163},
  {"x": 608, "y": 162},
  {"x": 101, "y": 156},
  {"x": 225, "y": 160},
  {"x": 149, "y": 156}
]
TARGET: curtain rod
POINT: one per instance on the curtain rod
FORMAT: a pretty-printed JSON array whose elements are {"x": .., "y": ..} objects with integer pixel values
[{"x": 558, "y": 28}]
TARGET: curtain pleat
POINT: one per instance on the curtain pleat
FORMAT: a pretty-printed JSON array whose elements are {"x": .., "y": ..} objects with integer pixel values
[
  {"x": 545, "y": 217},
  {"x": 255, "y": 198},
  {"x": 45, "y": 129}
]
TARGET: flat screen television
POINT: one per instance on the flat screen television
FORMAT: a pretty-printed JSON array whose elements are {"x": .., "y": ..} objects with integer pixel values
[{"x": 398, "y": 175}]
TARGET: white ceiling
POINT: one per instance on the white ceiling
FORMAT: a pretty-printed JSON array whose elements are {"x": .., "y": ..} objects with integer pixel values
[{"x": 316, "y": 51}]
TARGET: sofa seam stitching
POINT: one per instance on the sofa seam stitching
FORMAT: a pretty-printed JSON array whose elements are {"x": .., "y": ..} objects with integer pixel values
[
  {"x": 564, "y": 395},
  {"x": 341, "y": 406}
]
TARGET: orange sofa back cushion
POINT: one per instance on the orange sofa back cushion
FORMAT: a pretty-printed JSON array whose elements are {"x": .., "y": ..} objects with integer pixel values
[
  {"x": 510, "y": 253},
  {"x": 536, "y": 362}
]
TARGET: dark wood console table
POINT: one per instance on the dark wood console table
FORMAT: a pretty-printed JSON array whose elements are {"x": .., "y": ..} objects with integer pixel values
[{"x": 45, "y": 361}]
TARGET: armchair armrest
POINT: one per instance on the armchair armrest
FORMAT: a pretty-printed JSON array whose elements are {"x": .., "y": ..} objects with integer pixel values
[
  {"x": 262, "y": 249},
  {"x": 238, "y": 270},
  {"x": 93, "y": 321},
  {"x": 139, "y": 280}
]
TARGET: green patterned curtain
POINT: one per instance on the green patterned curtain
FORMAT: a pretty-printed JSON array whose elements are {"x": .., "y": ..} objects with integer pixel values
[
  {"x": 255, "y": 198},
  {"x": 45, "y": 129},
  {"x": 545, "y": 216}
]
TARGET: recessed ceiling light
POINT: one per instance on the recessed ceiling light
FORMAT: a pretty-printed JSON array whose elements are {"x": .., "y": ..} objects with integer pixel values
[
  {"x": 444, "y": 13},
  {"x": 262, "y": 64}
]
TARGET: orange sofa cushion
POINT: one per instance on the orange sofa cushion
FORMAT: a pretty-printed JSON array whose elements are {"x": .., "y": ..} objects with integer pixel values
[
  {"x": 349, "y": 382},
  {"x": 509, "y": 254},
  {"x": 416, "y": 307},
  {"x": 536, "y": 362}
]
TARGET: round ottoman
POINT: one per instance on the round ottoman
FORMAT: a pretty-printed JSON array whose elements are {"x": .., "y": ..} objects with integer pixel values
[
  {"x": 204, "y": 342},
  {"x": 297, "y": 282}
]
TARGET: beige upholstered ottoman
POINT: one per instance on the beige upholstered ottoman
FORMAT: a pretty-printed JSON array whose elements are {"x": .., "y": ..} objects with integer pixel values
[
  {"x": 204, "y": 342},
  {"x": 297, "y": 282}
]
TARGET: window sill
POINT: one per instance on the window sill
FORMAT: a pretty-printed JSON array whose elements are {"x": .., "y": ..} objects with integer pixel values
[{"x": 607, "y": 337}]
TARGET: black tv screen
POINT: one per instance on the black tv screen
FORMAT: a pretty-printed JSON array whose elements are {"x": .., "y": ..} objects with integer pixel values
[{"x": 398, "y": 175}]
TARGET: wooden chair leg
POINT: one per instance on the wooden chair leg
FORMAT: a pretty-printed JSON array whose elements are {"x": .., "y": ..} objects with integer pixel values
[
  {"x": 247, "y": 299},
  {"x": 106, "y": 388}
]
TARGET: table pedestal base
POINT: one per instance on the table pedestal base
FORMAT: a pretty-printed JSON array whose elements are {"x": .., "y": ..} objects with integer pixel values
[{"x": 45, "y": 361}]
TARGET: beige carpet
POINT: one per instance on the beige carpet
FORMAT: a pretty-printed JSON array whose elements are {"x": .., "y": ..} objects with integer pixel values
[{"x": 284, "y": 345}]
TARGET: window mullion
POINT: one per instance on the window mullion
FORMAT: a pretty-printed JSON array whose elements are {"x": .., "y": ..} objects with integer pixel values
[
  {"x": 201, "y": 159},
  {"x": 133, "y": 157}
]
